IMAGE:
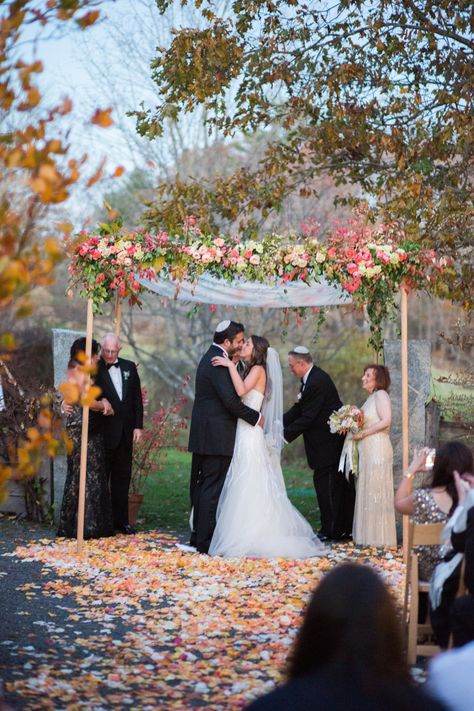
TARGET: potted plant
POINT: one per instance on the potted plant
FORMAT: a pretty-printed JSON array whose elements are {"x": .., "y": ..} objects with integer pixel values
[{"x": 161, "y": 433}]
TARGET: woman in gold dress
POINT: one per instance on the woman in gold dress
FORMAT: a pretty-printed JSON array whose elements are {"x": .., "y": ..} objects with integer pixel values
[{"x": 374, "y": 515}]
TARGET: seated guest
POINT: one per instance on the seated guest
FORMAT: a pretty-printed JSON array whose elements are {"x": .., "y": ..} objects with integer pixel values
[
  {"x": 348, "y": 655},
  {"x": 435, "y": 502},
  {"x": 450, "y": 678},
  {"x": 447, "y": 613}
]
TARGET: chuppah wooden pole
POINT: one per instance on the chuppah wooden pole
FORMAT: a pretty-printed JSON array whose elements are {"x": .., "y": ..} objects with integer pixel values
[
  {"x": 84, "y": 439},
  {"x": 405, "y": 415},
  {"x": 118, "y": 315}
]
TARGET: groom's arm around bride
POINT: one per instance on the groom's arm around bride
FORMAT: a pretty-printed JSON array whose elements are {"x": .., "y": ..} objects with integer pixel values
[{"x": 212, "y": 435}]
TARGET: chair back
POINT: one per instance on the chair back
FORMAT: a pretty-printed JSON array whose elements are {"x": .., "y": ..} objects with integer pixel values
[
  {"x": 419, "y": 534},
  {"x": 424, "y": 534}
]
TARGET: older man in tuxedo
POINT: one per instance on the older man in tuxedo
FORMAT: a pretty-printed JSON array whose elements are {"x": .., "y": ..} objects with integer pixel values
[
  {"x": 212, "y": 436},
  {"x": 120, "y": 384},
  {"x": 317, "y": 399}
]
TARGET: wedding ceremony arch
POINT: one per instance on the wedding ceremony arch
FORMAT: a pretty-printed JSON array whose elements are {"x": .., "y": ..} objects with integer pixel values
[{"x": 359, "y": 264}]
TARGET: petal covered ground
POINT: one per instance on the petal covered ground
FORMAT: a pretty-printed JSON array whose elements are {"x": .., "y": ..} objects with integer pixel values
[{"x": 154, "y": 626}]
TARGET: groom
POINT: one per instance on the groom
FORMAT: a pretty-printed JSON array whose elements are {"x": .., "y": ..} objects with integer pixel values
[
  {"x": 212, "y": 436},
  {"x": 317, "y": 400}
]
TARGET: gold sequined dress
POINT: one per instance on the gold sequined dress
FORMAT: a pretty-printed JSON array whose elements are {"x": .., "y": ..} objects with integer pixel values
[{"x": 374, "y": 515}]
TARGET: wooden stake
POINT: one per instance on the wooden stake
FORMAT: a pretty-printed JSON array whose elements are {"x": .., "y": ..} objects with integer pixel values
[
  {"x": 405, "y": 416},
  {"x": 84, "y": 439},
  {"x": 118, "y": 315}
]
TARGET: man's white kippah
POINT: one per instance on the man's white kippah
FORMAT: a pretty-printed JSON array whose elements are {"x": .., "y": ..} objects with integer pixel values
[
  {"x": 300, "y": 349},
  {"x": 222, "y": 326}
]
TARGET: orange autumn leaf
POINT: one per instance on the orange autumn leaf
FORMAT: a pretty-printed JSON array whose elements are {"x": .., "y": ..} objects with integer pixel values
[
  {"x": 88, "y": 19},
  {"x": 102, "y": 118},
  {"x": 70, "y": 393},
  {"x": 97, "y": 175},
  {"x": 91, "y": 395},
  {"x": 120, "y": 170}
]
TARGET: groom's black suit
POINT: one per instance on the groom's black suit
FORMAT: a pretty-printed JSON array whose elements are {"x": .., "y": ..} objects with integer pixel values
[
  {"x": 309, "y": 417},
  {"x": 211, "y": 440}
]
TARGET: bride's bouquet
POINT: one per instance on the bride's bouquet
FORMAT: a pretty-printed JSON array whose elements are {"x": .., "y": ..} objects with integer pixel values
[{"x": 348, "y": 420}]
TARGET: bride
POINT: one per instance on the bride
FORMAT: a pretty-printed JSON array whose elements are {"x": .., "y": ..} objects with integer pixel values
[{"x": 255, "y": 518}]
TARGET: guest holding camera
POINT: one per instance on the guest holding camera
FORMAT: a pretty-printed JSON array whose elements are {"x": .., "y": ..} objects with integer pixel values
[{"x": 437, "y": 501}]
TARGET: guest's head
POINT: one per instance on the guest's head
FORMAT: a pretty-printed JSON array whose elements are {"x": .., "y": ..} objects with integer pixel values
[
  {"x": 111, "y": 347},
  {"x": 79, "y": 346},
  {"x": 376, "y": 377},
  {"x": 299, "y": 361},
  {"x": 254, "y": 351},
  {"x": 452, "y": 456},
  {"x": 230, "y": 335},
  {"x": 350, "y": 622}
]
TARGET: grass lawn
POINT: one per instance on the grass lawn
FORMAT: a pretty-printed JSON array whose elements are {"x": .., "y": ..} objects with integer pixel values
[{"x": 166, "y": 502}]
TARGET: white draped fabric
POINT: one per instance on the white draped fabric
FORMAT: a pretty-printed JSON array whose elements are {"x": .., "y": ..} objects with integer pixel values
[{"x": 211, "y": 290}]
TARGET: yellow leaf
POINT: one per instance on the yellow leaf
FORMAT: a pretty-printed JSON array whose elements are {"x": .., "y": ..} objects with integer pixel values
[
  {"x": 91, "y": 395},
  {"x": 34, "y": 97},
  {"x": 70, "y": 393},
  {"x": 49, "y": 173},
  {"x": 52, "y": 248},
  {"x": 159, "y": 263},
  {"x": 65, "y": 227}
]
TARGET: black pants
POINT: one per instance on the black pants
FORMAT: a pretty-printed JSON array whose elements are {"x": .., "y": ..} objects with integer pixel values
[
  {"x": 336, "y": 498},
  {"x": 119, "y": 469},
  {"x": 208, "y": 474}
]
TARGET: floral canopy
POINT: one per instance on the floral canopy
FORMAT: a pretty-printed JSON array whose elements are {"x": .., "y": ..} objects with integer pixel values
[{"x": 358, "y": 263}]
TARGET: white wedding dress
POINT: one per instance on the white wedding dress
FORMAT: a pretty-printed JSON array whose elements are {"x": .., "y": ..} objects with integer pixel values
[{"x": 255, "y": 518}]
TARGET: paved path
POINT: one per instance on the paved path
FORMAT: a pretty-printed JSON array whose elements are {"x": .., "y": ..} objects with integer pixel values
[{"x": 137, "y": 622}]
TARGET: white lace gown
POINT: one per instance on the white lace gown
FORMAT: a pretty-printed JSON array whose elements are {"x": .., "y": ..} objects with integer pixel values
[{"x": 255, "y": 518}]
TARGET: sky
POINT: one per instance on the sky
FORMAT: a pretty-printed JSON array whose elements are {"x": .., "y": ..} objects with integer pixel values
[{"x": 91, "y": 68}]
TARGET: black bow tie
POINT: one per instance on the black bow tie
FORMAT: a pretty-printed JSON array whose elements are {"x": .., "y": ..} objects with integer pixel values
[{"x": 112, "y": 365}]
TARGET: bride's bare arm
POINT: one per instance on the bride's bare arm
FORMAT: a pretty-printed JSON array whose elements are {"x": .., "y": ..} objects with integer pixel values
[{"x": 241, "y": 386}]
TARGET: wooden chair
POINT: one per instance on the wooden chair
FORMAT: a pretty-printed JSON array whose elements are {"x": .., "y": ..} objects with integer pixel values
[{"x": 419, "y": 637}]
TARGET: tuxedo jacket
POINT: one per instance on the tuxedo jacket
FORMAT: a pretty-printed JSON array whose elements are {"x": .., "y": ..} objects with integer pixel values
[
  {"x": 216, "y": 409},
  {"x": 128, "y": 412},
  {"x": 309, "y": 416}
]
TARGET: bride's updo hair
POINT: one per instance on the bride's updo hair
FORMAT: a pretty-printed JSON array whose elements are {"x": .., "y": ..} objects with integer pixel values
[{"x": 259, "y": 353}]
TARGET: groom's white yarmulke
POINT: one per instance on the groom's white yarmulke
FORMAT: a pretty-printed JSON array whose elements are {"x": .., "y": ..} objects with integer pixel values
[
  {"x": 222, "y": 326},
  {"x": 300, "y": 349}
]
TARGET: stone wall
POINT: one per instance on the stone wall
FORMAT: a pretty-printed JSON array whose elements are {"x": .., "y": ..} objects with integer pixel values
[{"x": 419, "y": 383}]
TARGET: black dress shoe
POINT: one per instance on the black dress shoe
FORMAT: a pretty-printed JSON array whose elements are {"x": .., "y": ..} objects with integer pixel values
[
  {"x": 343, "y": 538},
  {"x": 323, "y": 537},
  {"x": 127, "y": 529}
]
